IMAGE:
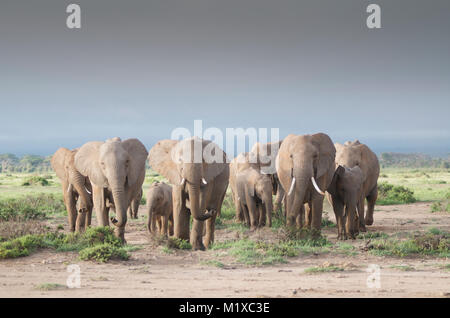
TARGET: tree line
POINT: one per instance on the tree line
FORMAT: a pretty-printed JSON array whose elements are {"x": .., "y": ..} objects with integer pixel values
[{"x": 41, "y": 164}]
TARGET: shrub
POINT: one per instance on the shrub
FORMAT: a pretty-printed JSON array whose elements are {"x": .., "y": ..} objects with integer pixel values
[
  {"x": 103, "y": 253},
  {"x": 30, "y": 207},
  {"x": 440, "y": 206},
  {"x": 98, "y": 244},
  {"x": 36, "y": 180},
  {"x": 391, "y": 194},
  {"x": 431, "y": 243},
  {"x": 12, "y": 229},
  {"x": 174, "y": 242}
]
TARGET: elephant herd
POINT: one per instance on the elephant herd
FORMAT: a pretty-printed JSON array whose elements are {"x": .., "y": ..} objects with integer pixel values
[{"x": 108, "y": 176}]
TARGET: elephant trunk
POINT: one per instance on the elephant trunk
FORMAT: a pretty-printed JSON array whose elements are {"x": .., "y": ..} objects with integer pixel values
[
  {"x": 121, "y": 206},
  {"x": 296, "y": 195},
  {"x": 196, "y": 205},
  {"x": 79, "y": 185},
  {"x": 351, "y": 221}
]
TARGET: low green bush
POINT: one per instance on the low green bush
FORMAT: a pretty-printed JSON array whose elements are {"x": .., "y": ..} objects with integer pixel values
[
  {"x": 97, "y": 243},
  {"x": 36, "y": 180},
  {"x": 103, "y": 253},
  {"x": 391, "y": 194}
]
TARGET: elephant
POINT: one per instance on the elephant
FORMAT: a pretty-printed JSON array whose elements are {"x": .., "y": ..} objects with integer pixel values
[
  {"x": 240, "y": 163},
  {"x": 159, "y": 208},
  {"x": 254, "y": 193},
  {"x": 305, "y": 165},
  {"x": 353, "y": 154},
  {"x": 198, "y": 170},
  {"x": 76, "y": 189},
  {"x": 345, "y": 192},
  {"x": 265, "y": 155},
  {"x": 116, "y": 170},
  {"x": 133, "y": 209}
]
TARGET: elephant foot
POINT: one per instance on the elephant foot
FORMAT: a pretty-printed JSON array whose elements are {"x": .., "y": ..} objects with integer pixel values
[
  {"x": 198, "y": 246},
  {"x": 362, "y": 228}
]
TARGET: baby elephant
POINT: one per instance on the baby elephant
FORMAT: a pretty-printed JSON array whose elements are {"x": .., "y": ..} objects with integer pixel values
[
  {"x": 344, "y": 194},
  {"x": 159, "y": 208},
  {"x": 254, "y": 191}
]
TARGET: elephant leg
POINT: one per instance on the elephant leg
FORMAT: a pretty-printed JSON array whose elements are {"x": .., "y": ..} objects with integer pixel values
[
  {"x": 237, "y": 207},
  {"x": 317, "y": 208},
  {"x": 262, "y": 215},
  {"x": 279, "y": 200},
  {"x": 210, "y": 228},
  {"x": 165, "y": 226},
  {"x": 98, "y": 196},
  {"x": 89, "y": 217},
  {"x": 197, "y": 235},
  {"x": 170, "y": 226},
  {"x": 69, "y": 198},
  {"x": 81, "y": 222},
  {"x": 371, "y": 199},
  {"x": 180, "y": 214},
  {"x": 253, "y": 213},
  {"x": 338, "y": 208},
  {"x": 308, "y": 215},
  {"x": 160, "y": 224},
  {"x": 246, "y": 214},
  {"x": 361, "y": 223}
]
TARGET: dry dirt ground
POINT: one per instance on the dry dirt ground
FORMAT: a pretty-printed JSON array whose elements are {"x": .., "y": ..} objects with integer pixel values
[{"x": 152, "y": 273}]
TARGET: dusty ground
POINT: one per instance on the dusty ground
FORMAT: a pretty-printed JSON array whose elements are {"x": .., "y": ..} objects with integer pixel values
[{"x": 152, "y": 273}]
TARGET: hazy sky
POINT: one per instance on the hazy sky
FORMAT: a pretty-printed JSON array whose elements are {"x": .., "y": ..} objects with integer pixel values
[{"x": 142, "y": 68}]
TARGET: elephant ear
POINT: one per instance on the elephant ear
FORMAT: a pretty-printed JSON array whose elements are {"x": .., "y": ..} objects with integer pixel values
[
  {"x": 58, "y": 163},
  {"x": 160, "y": 159},
  {"x": 87, "y": 163},
  {"x": 332, "y": 188},
  {"x": 216, "y": 164},
  {"x": 327, "y": 153},
  {"x": 138, "y": 155}
]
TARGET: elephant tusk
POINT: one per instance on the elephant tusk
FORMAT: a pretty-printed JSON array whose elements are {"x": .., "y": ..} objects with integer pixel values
[
  {"x": 204, "y": 181},
  {"x": 182, "y": 181},
  {"x": 292, "y": 186},
  {"x": 89, "y": 192},
  {"x": 316, "y": 186},
  {"x": 68, "y": 188}
]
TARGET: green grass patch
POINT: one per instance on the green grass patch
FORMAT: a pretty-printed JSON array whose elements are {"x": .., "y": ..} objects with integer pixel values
[
  {"x": 404, "y": 268},
  {"x": 214, "y": 263},
  {"x": 435, "y": 243},
  {"x": 97, "y": 244},
  {"x": 323, "y": 269},
  {"x": 30, "y": 207},
  {"x": 440, "y": 206},
  {"x": 50, "y": 286}
]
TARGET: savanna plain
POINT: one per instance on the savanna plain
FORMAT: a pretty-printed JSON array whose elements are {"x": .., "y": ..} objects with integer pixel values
[{"x": 409, "y": 241}]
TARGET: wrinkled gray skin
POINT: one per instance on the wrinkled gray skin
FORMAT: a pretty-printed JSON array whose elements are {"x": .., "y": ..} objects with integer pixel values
[
  {"x": 265, "y": 155},
  {"x": 304, "y": 157},
  {"x": 159, "y": 209},
  {"x": 254, "y": 193},
  {"x": 76, "y": 189},
  {"x": 116, "y": 170},
  {"x": 344, "y": 194},
  {"x": 134, "y": 206},
  {"x": 353, "y": 154},
  {"x": 187, "y": 170}
]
